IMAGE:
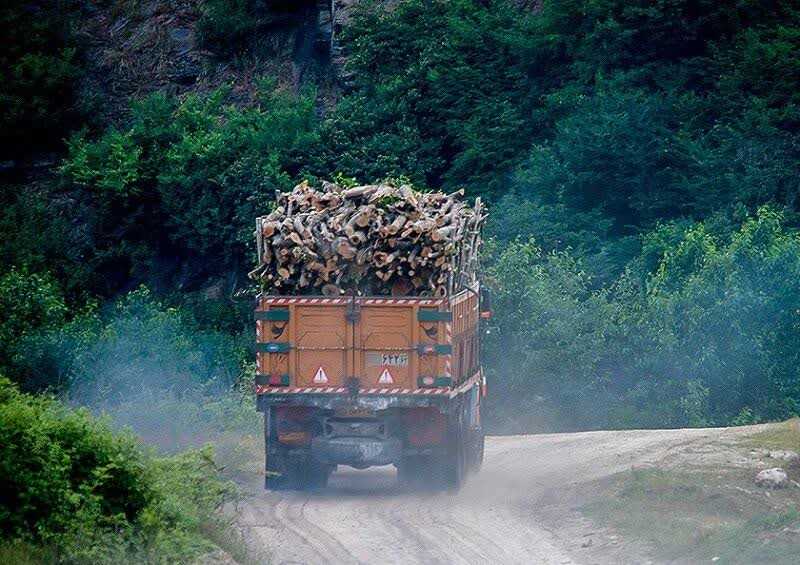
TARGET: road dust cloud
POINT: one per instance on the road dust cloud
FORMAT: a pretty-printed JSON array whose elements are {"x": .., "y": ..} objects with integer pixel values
[{"x": 150, "y": 370}]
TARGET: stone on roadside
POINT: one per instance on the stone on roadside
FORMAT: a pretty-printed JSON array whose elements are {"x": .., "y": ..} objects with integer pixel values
[
  {"x": 772, "y": 478},
  {"x": 784, "y": 455}
]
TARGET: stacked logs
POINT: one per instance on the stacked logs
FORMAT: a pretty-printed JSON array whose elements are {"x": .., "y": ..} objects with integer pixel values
[{"x": 369, "y": 240}]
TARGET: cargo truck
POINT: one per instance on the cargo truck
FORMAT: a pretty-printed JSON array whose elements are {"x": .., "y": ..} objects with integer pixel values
[{"x": 367, "y": 381}]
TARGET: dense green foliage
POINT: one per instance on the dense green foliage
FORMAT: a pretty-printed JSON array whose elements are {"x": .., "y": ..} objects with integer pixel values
[
  {"x": 442, "y": 94},
  {"x": 183, "y": 183},
  {"x": 90, "y": 495},
  {"x": 29, "y": 302},
  {"x": 701, "y": 329},
  {"x": 139, "y": 345}
]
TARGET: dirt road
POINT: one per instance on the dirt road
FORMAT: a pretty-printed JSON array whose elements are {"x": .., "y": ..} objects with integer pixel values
[{"x": 517, "y": 510}]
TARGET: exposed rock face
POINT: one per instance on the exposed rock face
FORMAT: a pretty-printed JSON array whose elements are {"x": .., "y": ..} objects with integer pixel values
[
  {"x": 341, "y": 11},
  {"x": 772, "y": 478},
  {"x": 137, "y": 48}
]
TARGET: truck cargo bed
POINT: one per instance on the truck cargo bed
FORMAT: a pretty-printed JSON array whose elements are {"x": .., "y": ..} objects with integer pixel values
[{"x": 375, "y": 345}]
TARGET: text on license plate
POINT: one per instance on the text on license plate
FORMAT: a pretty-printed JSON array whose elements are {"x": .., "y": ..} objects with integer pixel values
[{"x": 388, "y": 359}]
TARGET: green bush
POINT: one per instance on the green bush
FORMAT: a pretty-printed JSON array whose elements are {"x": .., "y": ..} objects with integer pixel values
[
  {"x": 183, "y": 183},
  {"x": 87, "y": 494},
  {"x": 61, "y": 466},
  {"x": 441, "y": 93},
  {"x": 29, "y": 302},
  {"x": 139, "y": 346},
  {"x": 705, "y": 333}
]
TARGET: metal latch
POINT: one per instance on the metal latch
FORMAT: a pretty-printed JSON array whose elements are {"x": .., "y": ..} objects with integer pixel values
[{"x": 353, "y": 312}]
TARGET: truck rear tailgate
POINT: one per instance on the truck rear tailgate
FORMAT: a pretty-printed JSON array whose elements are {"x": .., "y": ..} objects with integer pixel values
[{"x": 385, "y": 343}]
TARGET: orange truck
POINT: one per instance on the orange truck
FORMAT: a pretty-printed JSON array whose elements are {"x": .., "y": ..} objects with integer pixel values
[{"x": 367, "y": 381}]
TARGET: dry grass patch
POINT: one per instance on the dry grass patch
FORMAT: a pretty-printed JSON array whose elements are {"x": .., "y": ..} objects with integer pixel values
[{"x": 712, "y": 511}]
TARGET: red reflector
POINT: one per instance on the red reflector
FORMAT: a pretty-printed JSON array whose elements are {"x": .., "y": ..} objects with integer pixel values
[
  {"x": 293, "y": 424},
  {"x": 294, "y": 437}
]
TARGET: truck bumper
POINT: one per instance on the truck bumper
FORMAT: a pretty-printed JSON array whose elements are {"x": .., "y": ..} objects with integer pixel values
[{"x": 357, "y": 452}]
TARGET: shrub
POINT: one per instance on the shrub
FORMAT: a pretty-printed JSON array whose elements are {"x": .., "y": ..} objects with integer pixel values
[
  {"x": 76, "y": 491},
  {"x": 183, "y": 183},
  {"x": 29, "y": 302},
  {"x": 60, "y": 466},
  {"x": 139, "y": 346},
  {"x": 704, "y": 333},
  {"x": 441, "y": 92}
]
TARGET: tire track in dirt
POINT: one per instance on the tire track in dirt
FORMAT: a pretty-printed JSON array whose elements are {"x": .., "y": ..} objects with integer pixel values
[{"x": 498, "y": 517}]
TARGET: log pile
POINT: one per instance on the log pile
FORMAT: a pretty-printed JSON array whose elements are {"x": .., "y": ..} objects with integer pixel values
[{"x": 368, "y": 240}]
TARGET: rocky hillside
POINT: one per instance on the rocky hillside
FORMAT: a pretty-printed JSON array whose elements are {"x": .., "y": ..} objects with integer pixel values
[{"x": 134, "y": 48}]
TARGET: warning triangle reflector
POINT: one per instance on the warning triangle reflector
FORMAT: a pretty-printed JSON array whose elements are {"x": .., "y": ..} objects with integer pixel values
[
  {"x": 386, "y": 378},
  {"x": 320, "y": 377}
]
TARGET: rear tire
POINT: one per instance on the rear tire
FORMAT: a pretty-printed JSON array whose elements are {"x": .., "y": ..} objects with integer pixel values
[
  {"x": 477, "y": 448},
  {"x": 449, "y": 469},
  {"x": 314, "y": 475},
  {"x": 279, "y": 475},
  {"x": 285, "y": 473}
]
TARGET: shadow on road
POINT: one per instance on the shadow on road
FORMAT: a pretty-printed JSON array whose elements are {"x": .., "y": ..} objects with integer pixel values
[{"x": 375, "y": 481}]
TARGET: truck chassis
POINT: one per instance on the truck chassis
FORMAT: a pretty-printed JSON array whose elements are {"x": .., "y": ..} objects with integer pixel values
[{"x": 433, "y": 436}]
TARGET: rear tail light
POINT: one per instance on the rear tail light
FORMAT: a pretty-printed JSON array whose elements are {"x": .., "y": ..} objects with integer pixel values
[
  {"x": 279, "y": 380},
  {"x": 293, "y": 424},
  {"x": 423, "y": 382},
  {"x": 294, "y": 438}
]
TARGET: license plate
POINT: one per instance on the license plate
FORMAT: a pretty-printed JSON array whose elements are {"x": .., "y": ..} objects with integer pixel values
[
  {"x": 353, "y": 412},
  {"x": 388, "y": 359}
]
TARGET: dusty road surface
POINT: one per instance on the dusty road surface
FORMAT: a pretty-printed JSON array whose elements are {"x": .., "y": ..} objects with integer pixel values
[{"x": 516, "y": 510}]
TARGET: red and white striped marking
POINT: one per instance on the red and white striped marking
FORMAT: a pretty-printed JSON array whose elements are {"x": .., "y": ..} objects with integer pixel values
[
  {"x": 448, "y": 334},
  {"x": 383, "y": 301},
  {"x": 259, "y": 365},
  {"x": 441, "y": 391},
  {"x": 326, "y": 301},
  {"x": 279, "y": 301}
]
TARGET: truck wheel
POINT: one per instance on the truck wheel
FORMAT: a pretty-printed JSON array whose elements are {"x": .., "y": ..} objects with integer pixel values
[
  {"x": 449, "y": 469},
  {"x": 413, "y": 470},
  {"x": 477, "y": 451},
  {"x": 455, "y": 466},
  {"x": 315, "y": 475},
  {"x": 279, "y": 474},
  {"x": 292, "y": 474}
]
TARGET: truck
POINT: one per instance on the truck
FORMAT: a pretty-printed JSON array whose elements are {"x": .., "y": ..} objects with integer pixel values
[{"x": 369, "y": 381}]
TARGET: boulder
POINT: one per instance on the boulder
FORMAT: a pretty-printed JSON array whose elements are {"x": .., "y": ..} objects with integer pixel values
[
  {"x": 772, "y": 478},
  {"x": 784, "y": 455}
]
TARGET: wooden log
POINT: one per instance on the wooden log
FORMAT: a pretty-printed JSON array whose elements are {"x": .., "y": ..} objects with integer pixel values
[{"x": 331, "y": 290}]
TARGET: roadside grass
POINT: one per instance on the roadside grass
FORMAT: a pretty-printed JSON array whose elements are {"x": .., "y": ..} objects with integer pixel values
[
  {"x": 785, "y": 435},
  {"x": 708, "y": 512}
]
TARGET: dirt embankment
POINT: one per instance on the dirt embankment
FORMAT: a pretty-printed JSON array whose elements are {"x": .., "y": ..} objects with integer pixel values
[{"x": 557, "y": 498}]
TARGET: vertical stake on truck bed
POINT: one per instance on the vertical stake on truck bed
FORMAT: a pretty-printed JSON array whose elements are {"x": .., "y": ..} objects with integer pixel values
[{"x": 352, "y": 314}]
